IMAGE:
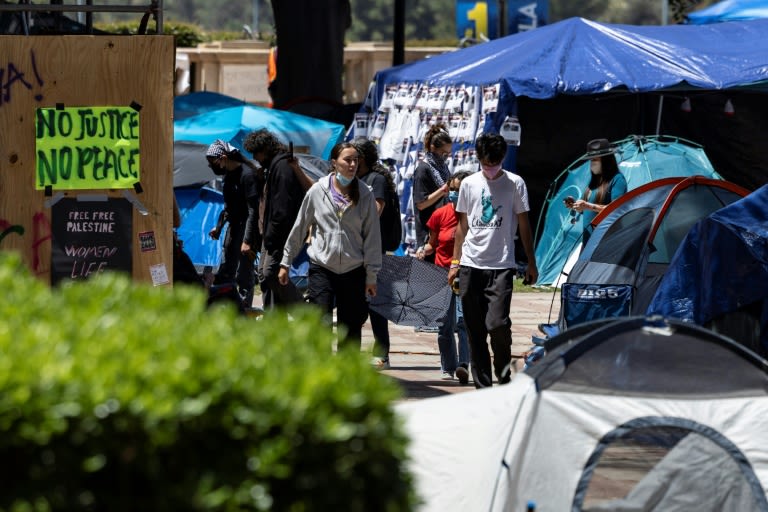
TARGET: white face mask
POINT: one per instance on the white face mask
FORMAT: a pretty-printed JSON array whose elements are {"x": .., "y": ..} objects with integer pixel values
[{"x": 596, "y": 166}]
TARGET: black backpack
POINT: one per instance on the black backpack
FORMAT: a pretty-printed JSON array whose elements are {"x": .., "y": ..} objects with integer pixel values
[{"x": 391, "y": 223}]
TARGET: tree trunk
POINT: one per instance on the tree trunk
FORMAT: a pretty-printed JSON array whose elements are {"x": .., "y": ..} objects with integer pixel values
[{"x": 310, "y": 57}]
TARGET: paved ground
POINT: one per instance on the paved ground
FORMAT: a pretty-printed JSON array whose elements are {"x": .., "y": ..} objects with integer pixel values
[{"x": 415, "y": 359}]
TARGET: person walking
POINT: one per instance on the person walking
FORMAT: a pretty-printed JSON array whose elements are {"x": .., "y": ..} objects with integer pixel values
[
  {"x": 430, "y": 181},
  {"x": 241, "y": 203},
  {"x": 378, "y": 178},
  {"x": 492, "y": 208},
  {"x": 606, "y": 184},
  {"x": 442, "y": 232},
  {"x": 345, "y": 245},
  {"x": 283, "y": 194}
]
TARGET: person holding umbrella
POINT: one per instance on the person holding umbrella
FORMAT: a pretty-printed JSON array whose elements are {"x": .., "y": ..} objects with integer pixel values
[
  {"x": 492, "y": 208},
  {"x": 345, "y": 244},
  {"x": 442, "y": 232}
]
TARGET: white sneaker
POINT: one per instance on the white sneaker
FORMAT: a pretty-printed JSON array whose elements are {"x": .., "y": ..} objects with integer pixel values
[
  {"x": 380, "y": 363},
  {"x": 446, "y": 376}
]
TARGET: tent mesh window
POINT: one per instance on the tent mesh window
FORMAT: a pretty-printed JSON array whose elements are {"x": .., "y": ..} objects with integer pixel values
[
  {"x": 623, "y": 243},
  {"x": 647, "y": 364},
  {"x": 688, "y": 207},
  {"x": 669, "y": 464}
]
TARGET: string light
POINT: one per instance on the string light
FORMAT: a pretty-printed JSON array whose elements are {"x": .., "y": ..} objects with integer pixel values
[{"x": 728, "y": 109}]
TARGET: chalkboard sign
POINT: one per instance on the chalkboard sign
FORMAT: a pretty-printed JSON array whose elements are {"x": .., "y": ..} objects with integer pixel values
[{"x": 90, "y": 237}]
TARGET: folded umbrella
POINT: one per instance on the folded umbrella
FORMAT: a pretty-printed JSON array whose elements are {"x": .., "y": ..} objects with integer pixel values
[{"x": 412, "y": 292}]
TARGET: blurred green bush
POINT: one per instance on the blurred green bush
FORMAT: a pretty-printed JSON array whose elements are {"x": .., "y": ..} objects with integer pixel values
[
  {"x": 118, "y": 396},
  {"x": 186, "y": 35}
]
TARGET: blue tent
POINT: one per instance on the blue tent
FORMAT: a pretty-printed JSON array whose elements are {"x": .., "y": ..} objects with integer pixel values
[
  {"x": 729, "y": 10},
  {"x": 200, "y": 208},
  {"x": 721, "y": 268},
  {"x": 233, "y": 124},
  {"x": 192, "y": 104},
  {"x": 641, "y": 160}
]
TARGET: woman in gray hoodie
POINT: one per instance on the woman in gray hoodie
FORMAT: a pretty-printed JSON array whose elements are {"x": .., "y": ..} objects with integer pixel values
[{"x": 339, "y": 217}]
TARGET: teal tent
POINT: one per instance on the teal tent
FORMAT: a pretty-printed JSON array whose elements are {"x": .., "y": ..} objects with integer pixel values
[
  {"x": 641, "y": 159},
  {"x": 233, "y": 124}
]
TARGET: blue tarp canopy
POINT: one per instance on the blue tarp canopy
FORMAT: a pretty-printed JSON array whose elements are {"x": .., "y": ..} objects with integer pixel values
[
  {"x": 233, "y": 124},
  {"x": 729, "y": 10},
  {"x": 580, "y": 57}
]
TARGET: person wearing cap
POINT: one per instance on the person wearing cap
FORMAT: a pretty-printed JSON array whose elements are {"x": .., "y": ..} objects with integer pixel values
[
  {"x": 492, "y": 208},
  {"x": 606, "y": 184},
  {"x": 241, "y": 203}
]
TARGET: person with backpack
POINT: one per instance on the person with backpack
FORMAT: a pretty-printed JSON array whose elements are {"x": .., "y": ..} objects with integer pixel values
[
  {"x": 283, "y": 194},
  {"x": 371, "y": 172}
]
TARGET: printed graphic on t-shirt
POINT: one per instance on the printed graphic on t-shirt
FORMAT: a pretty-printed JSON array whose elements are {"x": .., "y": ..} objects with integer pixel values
[{"x": 489, "y": 218}]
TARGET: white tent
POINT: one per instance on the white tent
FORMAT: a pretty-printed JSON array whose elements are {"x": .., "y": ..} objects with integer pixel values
[{"x": 638, "y": 414}]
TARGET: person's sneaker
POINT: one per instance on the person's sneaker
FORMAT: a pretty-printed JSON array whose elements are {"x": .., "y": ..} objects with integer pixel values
[
  {"x": 446, "y": 376},
  {"x": 379, "y": 363},
  {"x": 462, "y": 374}
]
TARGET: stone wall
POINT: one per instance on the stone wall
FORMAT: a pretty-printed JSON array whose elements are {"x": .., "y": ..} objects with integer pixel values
[{"x": 239, "y": 68}]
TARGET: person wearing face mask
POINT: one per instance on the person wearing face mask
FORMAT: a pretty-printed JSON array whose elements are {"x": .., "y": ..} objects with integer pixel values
[
  {"x": 430, "y": 181},
  {"x": 442, "y": 231},
  {"x": 606, "y": 184},
  {"x": 345, "y": 245},
  {"x": 241, "y": 203},
  {"x": 492, "y": 208}
]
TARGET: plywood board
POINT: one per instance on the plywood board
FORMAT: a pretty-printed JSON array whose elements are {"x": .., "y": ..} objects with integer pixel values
[{"x": 82, "y": 71}]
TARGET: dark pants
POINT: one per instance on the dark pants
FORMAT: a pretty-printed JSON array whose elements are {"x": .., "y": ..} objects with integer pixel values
[
  {"x": 380, "y": 329},
  {"x": 236, "y": 267},
  {"x": 345, "y": 291},
  {"x": 486, "y": 296},
  {"x": 278, "y": 294}
]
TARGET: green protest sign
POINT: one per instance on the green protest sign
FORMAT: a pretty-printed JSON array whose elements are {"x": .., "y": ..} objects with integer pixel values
[{"x": 86, "y": 148}]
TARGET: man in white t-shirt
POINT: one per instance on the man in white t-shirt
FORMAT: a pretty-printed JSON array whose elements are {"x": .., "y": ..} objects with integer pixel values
[{"x": 492, "y": 208}]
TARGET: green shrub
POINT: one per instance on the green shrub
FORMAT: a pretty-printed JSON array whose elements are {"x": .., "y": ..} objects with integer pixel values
[
  {"x": 118, "y": 396},
  {"x": 186, "y": 35}
]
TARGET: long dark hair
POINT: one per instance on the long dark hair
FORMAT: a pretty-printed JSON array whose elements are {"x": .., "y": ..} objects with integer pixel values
[
  {"x": 370, "y": 155},
  {"x": 601, "y": 182},
  {"x": 354, "y": 187}
]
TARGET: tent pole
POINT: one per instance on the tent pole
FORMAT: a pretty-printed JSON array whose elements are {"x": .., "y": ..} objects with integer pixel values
[{"x": 658, "y": 117}]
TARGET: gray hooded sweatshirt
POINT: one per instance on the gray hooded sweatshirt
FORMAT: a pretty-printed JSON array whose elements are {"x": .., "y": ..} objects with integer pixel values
[{"x": 340, "y": 242}]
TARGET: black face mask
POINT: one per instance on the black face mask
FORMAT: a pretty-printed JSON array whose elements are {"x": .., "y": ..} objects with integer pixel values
[{"x": 217, "y": 170}]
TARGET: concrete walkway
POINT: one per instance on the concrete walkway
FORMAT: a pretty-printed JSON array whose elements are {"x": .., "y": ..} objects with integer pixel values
[{"x": 415, "y": 359}]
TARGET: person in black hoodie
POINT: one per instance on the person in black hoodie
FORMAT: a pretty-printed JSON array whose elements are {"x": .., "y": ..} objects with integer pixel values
[
  {"x": 241, "y": 206},
  {"x": 283, "y": 194}
]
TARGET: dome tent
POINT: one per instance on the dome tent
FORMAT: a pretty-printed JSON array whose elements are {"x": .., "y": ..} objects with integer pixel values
[{"x": 603, "y": 420}]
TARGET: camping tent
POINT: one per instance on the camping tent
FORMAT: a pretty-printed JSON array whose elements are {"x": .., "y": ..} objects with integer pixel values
[
  {"x": 576, "y": 80},
  {"x": 641, "y": 160},
  {"x": 233, "y": 124},
  {"x": 635, "y": 408},
  {"x": 718, "y": 276},
  {"x": 192, "y": 104},
  {"x": 729, "y": 10},
  {"x": 632, "y": 244}
]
